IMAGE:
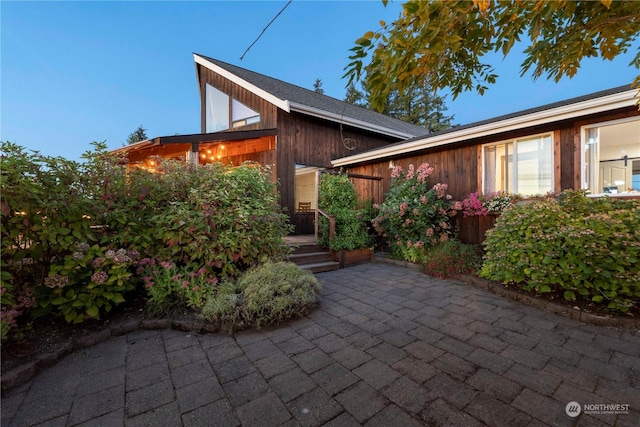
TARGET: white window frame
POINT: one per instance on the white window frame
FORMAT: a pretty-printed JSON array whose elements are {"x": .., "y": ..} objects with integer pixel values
[
  {"x": 583, "y": 145},
  {"x": 513, "y": 141}
]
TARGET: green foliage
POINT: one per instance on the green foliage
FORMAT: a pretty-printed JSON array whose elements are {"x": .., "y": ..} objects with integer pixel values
[
  {"x": 140, "y": 134},
  {"x": 441, "y": 44},
  {"x": 226, "y": 219},
  {"x": 266, "y": 294},
  {"x": 172, "y": 288},
  {"x": 338, "y": 198},
  {"x": 417, "y": 104},
  {"x": 576, "y": 247},
  {"x": 47, "y": 208},
  {"x": 415, "y": 216},
  {"x": 88, "y": 283},
  {"x": 451, "y": 259},
  {"x": 219, "y": 218}
]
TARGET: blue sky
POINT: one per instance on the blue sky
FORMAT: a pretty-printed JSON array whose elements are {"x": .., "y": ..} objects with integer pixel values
[{"x": 82, "y": 71}]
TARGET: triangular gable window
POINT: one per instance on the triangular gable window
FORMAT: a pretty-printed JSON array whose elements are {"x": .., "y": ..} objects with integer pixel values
[
  {"x": 242, "y": 115},
  {"x": 222, "y": 110}
]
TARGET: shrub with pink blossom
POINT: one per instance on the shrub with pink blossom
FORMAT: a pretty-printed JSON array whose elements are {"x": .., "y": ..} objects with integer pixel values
[
  {"x": 89, "y": 282},
  {"x": 478, "y": 204},
  {"x": 415, "y": 215},
  {"x": 173, "y": 288}
]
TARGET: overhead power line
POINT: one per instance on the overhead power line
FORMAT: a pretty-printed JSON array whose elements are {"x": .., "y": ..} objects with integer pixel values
[{"x": 265, "y": 29}]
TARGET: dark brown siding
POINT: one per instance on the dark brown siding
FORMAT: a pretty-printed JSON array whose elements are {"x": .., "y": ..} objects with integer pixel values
[
  {"x": 309, "y": 141},
  {"x": 458, "y": 165},
  {"x": 268, "y": 112}
]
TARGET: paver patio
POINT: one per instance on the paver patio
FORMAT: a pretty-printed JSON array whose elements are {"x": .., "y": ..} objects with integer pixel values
[{"x": 388, "y": 346}]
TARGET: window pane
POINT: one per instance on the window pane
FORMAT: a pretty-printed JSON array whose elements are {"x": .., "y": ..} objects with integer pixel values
[
  {"x": 610, "y": 151},
  {"x": 534, "y": 166},
  {"x": 240, "y": 112},
  {"x": 217, "y": 110},
  {"x": 591, "y": 162},
  {"x": 497, "y": 167}
]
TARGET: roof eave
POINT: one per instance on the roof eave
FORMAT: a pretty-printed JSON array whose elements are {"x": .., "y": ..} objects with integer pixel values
[
  {"x": 135, "y": 146},
  {"x": 280, "y": 103},
  {"x": 338, "y": 118},
  {"x": 591, "y": 106}
]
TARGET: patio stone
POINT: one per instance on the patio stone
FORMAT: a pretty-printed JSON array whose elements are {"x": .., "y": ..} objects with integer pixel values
[{"x": 387, "y": 346}]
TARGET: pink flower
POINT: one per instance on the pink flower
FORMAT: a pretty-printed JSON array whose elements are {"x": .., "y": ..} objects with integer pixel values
[
  {"x": 396, "y": 172},
  {"x": 440, "y": 189},
  {"x": 424, "y": 170},
  {"x": 99, "y": 278},
  {"x": 410, "y": 172}
]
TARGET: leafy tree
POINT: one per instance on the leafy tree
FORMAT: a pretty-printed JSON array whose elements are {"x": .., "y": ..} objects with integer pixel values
[
  {"x": 317, "y": 87},
  {"x": 355, "y": 96},
  {"x": 417, "y": 105},
  {"x": 137, "y": 135},
  {"x": 441, "y": 43}
]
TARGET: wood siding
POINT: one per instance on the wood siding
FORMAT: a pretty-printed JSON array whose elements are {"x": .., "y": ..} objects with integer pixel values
[
  {"x": 310, "y": 141},
  {"x": 268, "y": 112},
  {"x": 459, "y": 164}
]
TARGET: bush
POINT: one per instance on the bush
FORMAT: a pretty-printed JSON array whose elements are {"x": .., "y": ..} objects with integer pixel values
[
  {"x": 478, "y": 204},
  {"x": 573, "y": 246},
  {"x": 49, "y": 205},
  {"x": 220, "y": 219},
  {"x": 337, "y": 197},
  {"x": 225, "y": 219},
  {"x": 172, "y": 288},
  {"x": 264, "y": 295},
  {"x": 88, "y": 283},
  {"x": 415, "y": 216},
  {"x": 451, "y": 259}
]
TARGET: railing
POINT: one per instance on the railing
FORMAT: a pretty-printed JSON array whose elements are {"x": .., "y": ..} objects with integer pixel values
[{"x": 332, "y": 223}]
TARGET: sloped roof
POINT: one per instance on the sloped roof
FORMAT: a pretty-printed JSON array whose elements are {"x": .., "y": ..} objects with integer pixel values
[
  {"x": 606, "y": 100},
  {"x": 290, "y": 97}
]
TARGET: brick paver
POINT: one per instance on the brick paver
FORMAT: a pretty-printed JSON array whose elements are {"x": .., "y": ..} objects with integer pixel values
[{"x": 387, "y": 346}]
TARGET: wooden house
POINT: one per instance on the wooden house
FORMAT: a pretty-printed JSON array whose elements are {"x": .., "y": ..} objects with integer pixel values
[
  {"x": 250, "y": 116},
  {"x": 590, "y": 142}
]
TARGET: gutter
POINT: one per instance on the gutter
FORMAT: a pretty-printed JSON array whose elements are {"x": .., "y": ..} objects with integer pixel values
[{"x": 591, "y": 106}]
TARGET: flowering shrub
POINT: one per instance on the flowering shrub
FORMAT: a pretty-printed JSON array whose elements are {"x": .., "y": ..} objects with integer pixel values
[
  {"x": 220, "y": 218},
  {"x": 415, "y": 215},
  {"x": 483, "y": 204},
  {"x": 89, "y": 282},
  {"x": 576, "y": 247},
  {"x": 172, "y": 288},
  {"x": 228, "y": 221},
  {"x": 451, "y": 259}
]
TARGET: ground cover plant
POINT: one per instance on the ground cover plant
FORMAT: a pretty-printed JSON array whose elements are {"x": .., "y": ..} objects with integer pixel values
[
  {"x": 264, "y": 295},
  {"x": 571, "y": 246},
  {"x": 415, "y": 215},
  {"x": 79, "y": 237},
  {"x": 451, "y": 259}
]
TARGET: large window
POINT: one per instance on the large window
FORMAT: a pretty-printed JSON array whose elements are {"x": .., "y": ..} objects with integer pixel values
[
  {"x": 221, "y": 111},
  {"x": 611, "y": 157},
  {"x": 217, "y": 110},
  {"x": 523, "y": 166}
]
